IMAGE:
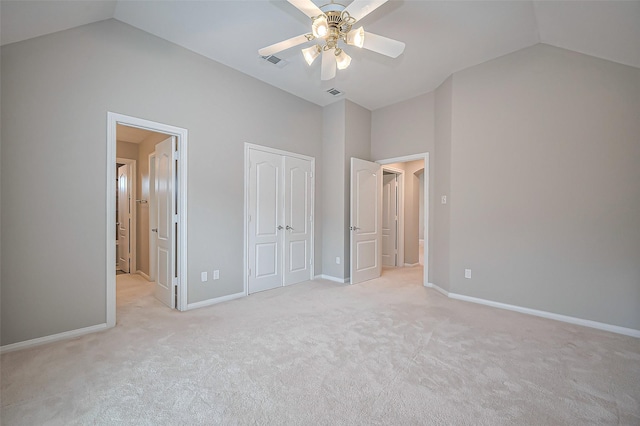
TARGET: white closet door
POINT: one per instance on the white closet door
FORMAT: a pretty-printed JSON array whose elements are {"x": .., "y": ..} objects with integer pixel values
[
  {"x": 366, "y": 221},
  {"x": 297, "y": 219},
  {"x": 265, "y": 222}
]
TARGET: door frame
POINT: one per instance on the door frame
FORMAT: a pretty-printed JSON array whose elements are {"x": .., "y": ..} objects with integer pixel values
[
  {"x": 113, "y": 119},
  {"x": 133, "y": 264},
  {"x": 247, "y": 148},
  {"x": 423, "y": 156},
  {"x": 400, "y": 176}
]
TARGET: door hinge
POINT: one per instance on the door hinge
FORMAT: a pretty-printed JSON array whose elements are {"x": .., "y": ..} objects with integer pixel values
[
  {"x": 249, "y": 271},
  {"x": 311, "y": 174},
  {"x": 175, "y": 155},
  {"x": 249, "y": 219},
  {"x": 175, "y": 218},
  {"x": 311, "y": 218}
]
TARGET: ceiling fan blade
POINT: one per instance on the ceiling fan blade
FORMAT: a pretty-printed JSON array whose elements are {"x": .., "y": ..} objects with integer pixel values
[
  {"x": 383, "y": 45},
  {"x": 307, "y": 7},
  {"x": 283, "y": 45},
  {"x": 361, "y": 8},
  {"x": 328, "y": 65}
]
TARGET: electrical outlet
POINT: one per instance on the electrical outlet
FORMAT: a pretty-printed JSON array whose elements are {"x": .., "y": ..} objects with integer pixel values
[
  {"x": 444, "y": 199},
  {"x": 203, "y": 276},
  {"x": 337, "y": 260},
  {"x": 216, "y": 274},
  {"x": 467, "y": 273}
]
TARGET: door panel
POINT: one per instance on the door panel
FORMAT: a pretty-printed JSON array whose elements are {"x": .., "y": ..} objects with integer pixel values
[
  {"x": 265, "y": 206},
  {"x": 297, "y": 217},
  {"x": 389, "y": 219},
  {"x": 366, "y": 220},
  {"x": 165, "y": 202},
  {"x": 124, "y": 218}
]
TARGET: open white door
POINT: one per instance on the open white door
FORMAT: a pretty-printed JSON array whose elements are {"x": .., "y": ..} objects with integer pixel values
[
  {"x": 124, "y": 218},
  {"x": 366, "y": 220},
  {"x": 166, "y": 221},
  {"x": 297, "y": 217},
  {"x": 265, "y": 223},
  {"x": 390, "y": 219}
]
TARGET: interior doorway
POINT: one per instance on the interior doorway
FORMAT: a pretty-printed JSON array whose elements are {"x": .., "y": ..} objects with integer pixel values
[
  {"x": 367, "y": 219},
  {"x": 147, "y": 202}
]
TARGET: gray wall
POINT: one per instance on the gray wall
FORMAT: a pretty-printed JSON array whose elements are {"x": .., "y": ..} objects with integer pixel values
[
  {"x": 333, "y": 157},
  {"x": 439, "y": 238},
  {"x": 407, "y": 128},
  {"x": 56, "y": 91},
  {"x": 545, "y": 184}
]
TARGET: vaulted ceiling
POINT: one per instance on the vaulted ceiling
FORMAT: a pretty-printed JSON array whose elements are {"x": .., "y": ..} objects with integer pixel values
[{"x": 441, "y": 37}]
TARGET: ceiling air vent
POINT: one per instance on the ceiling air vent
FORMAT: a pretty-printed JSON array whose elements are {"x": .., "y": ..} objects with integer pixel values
[
  {"x": 334, "y": 92},
  {"x": 278, "y": 62}
]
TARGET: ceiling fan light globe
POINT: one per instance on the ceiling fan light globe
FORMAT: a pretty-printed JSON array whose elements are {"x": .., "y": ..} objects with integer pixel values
[
  {"x": 320, "y": 26},
  {"x": 356, "y": 37},
  {"x": 311, "y": 53},
  {"x": 342, "y": 60}
]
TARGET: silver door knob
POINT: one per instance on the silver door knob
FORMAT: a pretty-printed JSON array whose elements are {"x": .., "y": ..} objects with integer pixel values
[
  {"x": 354, "y": 228},
  {"x": 154, "y": 229},
  {"x": 289, "y": 228},
  {"x": 280, "y": 228}
]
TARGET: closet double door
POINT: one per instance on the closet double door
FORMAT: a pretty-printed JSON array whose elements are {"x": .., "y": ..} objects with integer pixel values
[{"x": 280, "y": 220}]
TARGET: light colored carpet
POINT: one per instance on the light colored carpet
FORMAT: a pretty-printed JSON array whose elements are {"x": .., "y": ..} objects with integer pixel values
[{"x": 388, "y": 351}]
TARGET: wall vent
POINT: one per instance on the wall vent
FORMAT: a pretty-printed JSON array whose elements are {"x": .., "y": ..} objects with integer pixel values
[
  {"x": 335, "y": 92},
  {"x": 279, "y": 62}
]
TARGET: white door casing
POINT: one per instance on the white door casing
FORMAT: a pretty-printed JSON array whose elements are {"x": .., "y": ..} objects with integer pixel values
[
  {"x": 366, "y": 220},
  {"x": 390, "y": 219},
  {"x": 297, "y": 219},
  {"x": 265, "y": 220},
  {"x": 124, "y": 218},
  {"x": 165, "y": 219}
]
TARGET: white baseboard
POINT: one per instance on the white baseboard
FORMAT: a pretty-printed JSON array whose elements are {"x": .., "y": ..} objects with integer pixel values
[
  {"x": 52, "y": 338},
  {"x": 543, "y": 314},
  {"x": 439, "y": 289},
  {"x": 411, "y": 264},
  {"x": 214, "y": 301},
  {"x": 143, "y": 275},
  {"x": 334, "y": 279}
]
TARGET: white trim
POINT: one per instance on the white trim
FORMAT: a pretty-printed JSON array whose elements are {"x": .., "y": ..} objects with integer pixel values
[
  {"x": 52, "y": 338},
  {"x": 143, "y": 275},
  {"x": 439, "y": 289},
  {"x": 247, "y": 147},
  {"x": 423, "y": 156},
  {"x": 334, "y": 279},
  {"x": 113, "y": 119},
  {"x": 543, "y": 314},
  {"x": 409, "y": 265},
  {"x": 214, "y": 301},
  {"x": 133, "y": 260}
]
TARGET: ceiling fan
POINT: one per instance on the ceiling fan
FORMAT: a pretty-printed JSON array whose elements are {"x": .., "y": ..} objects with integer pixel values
[{"x": 331, "y": 27}]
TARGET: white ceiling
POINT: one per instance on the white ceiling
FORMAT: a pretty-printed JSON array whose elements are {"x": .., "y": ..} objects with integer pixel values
[{"x": 441, "y": 37}]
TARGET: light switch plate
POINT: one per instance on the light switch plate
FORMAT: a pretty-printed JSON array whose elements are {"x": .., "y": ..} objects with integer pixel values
[
  {"x": 444, "y": 199},
  {"x": 216, "y": 274},
  {"x": 467, "y": 273},
  {"x": 203, "y": 276}
]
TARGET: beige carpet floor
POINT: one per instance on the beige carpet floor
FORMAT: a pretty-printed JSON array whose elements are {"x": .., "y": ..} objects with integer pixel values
[{"x": 388, "y": 351}]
